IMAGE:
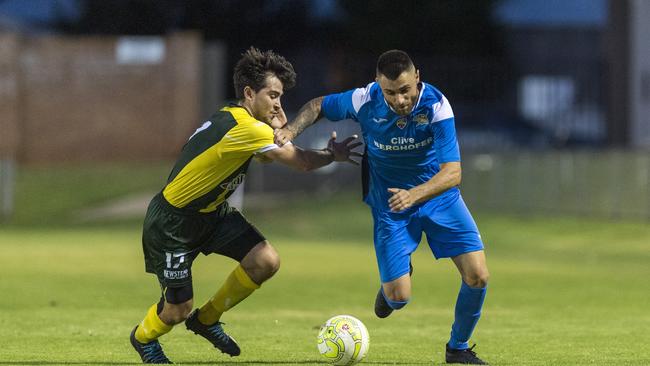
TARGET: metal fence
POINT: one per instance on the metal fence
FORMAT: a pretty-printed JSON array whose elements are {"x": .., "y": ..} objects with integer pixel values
[
  {"x": 594, "y": 183},
  {"x": 606, "y": 184},
  {"x": 7, "y": 182}
]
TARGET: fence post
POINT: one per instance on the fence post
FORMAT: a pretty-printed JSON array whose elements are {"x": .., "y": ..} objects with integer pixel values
[
  {"x": 7, "y": 183},
  {"x": 10, "y": 46}
]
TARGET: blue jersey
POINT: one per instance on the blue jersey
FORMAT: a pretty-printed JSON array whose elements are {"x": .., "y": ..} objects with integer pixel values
[{"x": 402, "y": 151}]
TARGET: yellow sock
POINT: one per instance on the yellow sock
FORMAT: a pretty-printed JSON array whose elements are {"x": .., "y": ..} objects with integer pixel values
[
  {"x": 151, "y": 327},
  {"x": 237, "y": 287}
]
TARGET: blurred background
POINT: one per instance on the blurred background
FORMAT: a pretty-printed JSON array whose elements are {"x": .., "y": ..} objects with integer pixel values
[{"x": 551, "y": 97}]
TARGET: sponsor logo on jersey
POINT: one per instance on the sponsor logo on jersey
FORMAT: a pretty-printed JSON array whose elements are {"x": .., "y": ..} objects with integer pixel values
[
  {"x": 379, "y": 120},
  {"x": 403, "y": 143},
  {"x": 234, "y": 183},
  {"x": 401, "y": 123},
  {"x": 421, "y": 119}
]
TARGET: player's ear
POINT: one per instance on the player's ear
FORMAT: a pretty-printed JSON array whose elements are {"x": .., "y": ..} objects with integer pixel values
[
  {"x": 249, "y": 93},
  {"x": 417, "y": 75}
]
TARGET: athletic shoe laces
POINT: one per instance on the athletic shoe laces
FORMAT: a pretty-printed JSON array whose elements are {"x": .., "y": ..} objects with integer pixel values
[
  {"x": 473, "y": 356},
  {"x": 471, "y": 350},
  {"x": 217, "y": 331},
  {"x": 153, "y": 352}
]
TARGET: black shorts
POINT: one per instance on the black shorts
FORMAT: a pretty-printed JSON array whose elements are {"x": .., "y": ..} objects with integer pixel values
[{"x": 172, "y": 238}]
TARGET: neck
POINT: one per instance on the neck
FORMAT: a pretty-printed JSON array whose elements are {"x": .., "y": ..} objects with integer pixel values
[{"x": 246, "y": 106}]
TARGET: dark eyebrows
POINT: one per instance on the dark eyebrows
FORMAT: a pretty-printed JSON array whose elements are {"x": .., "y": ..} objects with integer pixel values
[
  {"x": 401, "y": 89},
  {"x": 276, "y": 92}
]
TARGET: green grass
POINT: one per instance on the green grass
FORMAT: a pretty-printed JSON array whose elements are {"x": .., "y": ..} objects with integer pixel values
[
  {"x": 54, "y": 195},
  {"x": 563, "y": 292}
]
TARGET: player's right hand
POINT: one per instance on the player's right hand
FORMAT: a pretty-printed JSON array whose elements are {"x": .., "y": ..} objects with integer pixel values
[
  {"x": 342, "y": 151},
  {"x": 282, "y": 135},
  {"x": 400, "y": 200}
]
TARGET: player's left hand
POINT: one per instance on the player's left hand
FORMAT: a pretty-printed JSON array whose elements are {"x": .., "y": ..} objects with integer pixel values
[
  {"x": 279, "y": 119},
  {"x": 342, "y": 151},
  {"x": 282, "y": 135},
  {"x": 400, "y": 200}
]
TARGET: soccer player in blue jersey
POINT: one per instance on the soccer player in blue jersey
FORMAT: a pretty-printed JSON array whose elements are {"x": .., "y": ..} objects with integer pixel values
[{"x": 411, "y": 172}]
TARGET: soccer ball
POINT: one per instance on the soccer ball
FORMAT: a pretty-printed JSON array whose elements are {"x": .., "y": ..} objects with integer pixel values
[{"x": 343, "y": 340}]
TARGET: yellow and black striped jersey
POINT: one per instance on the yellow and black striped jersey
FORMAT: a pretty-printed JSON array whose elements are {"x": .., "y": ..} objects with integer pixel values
[{"x": 214, "y": 160}]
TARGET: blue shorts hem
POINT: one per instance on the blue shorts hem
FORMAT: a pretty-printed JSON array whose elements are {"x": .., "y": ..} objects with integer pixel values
[
  {"x": 459, "y": 251},
  {"x": 394, "y": 278}
]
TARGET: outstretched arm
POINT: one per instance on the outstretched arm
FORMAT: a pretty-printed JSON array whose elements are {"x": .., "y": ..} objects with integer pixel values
[
  {"x": 308, "y": 114},
  {"x": 300, "y": 159},
  {"x": 449, "y": 176}
]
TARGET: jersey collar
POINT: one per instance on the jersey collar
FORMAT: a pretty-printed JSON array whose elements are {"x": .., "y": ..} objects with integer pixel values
[{"x": 237, "y": 105}]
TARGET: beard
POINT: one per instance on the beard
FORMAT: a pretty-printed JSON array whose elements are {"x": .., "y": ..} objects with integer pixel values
[{"x": 403, "y": 111}]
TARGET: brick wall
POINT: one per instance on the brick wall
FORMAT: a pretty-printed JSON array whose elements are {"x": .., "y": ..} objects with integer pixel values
[{"x": 67, "y": 99}]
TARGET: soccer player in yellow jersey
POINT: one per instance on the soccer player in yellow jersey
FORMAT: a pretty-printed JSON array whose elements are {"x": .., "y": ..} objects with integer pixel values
[{"x": 191, "y": 215}]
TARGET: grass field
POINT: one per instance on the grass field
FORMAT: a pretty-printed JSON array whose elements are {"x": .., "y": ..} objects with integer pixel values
[{"x": 563, "y": 291}]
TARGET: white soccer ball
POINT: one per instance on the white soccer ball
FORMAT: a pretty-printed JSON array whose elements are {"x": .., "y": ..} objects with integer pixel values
[{"x": 343, "y": 340}]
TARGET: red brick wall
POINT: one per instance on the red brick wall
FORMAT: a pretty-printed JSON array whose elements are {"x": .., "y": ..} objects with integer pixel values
[{"x": 75, "y": 102}]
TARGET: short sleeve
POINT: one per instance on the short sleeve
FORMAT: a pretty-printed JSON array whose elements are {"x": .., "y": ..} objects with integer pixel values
[
  {"x": 445, "y": 142},
  {"x": 336, "y": 107},
  {"x": 444, "y": 132},
  {"x": 251, "y": 137},
  {"x": 346, "y": 105}
]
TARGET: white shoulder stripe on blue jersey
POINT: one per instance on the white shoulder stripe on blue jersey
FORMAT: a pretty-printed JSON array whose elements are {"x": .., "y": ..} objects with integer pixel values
[
  {"x": 360, "y": 97},
  {"x": 442, "y": 110},
  {"x": 419, "y": 96}
]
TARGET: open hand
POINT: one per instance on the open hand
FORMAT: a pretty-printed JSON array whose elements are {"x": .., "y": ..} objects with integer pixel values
[{"x": 342, "y": 151}]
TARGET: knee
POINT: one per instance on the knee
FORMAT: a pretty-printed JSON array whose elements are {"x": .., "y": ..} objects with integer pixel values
[
  {"x": 261, "y": 263},
  {"x": 398, "y": 296},
  {"x": 268, "y": 262},
  {"x": 173, "y": 314},
  {"x": 478, "y": 279},
  {"x": 397, "y": 302}
]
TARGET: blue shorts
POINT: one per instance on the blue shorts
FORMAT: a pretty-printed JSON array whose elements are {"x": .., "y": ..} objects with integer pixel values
[{"x": 446, "y": 221}]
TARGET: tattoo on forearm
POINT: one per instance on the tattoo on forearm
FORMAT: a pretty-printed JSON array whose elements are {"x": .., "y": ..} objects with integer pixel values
[{"x": 308, "y": 114}]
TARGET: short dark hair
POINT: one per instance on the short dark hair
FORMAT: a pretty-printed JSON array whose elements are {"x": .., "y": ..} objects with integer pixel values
[
  {"x": 255, "y": 65},
  {"x": 393, "y": 63}
]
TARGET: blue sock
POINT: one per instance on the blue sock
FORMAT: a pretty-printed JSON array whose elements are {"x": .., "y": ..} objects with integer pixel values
[
  {"x": 468, "y": 311},
  {"x": 395, "y": 305}
]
